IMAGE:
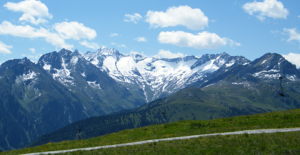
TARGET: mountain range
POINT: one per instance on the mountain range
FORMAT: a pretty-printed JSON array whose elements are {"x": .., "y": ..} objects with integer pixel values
[{"x": 64, "y": 87}]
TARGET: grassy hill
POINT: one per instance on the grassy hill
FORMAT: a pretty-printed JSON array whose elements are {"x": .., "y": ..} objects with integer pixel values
[
  {"x": 223, "y": 99},
  {"x": 278, "y": 143}
]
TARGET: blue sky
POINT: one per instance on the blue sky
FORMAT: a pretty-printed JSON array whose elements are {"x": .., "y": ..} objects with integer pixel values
[{"x": 154, "y": 28}]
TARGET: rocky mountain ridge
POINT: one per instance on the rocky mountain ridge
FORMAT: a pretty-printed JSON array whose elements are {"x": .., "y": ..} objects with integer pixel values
[{"x": 65, "y": 86}]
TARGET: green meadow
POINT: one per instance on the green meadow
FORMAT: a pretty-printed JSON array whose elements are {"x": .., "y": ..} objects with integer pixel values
[{"x": 277, "y": 143}]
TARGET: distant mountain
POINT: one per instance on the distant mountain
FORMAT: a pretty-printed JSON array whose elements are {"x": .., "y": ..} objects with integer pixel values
[
  {"x": 37, "y": 103},
  {"x": 232, "y": 96},
  {"x": 60, "y": 89},
  {"x": 102, "y": 94},
  {"x": 267, "y": 68},
  {"x": 238, "y": 87},
  {"x": 159, "y": 77},
  {"x": 65, "y": 86}
]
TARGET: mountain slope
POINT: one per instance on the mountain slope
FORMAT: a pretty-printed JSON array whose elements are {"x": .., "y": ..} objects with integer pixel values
[
  {"x": 281, "y": 142},
  {"x": 159, "y": 77},
  {"x": 27, "y": 87},
  {"x": 101, "y": 93},
  {"x": 60, "y": 89},
  {"x": 65, "y": 86},
  {"x": 223, "y": 99},
  {"x": 267, "y": 68}
]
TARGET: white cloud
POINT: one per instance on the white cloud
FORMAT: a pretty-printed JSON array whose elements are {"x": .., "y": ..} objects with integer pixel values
[
  {"x": 299, "y": 16},
  {"x": 132, "y": 18},
  {"x": 293, "y": 58},
  {"x": 90, "y": 45},
  {"x": 135, "y": 52},
  {"x": 114, "y": 34},
  {"x": 5, "y": 48},
  {"x": 35, "y": 57},
  {"x": 74, "y": 30},
  {"x": 32, "y": 50},
  {"x": 141, "y": 39},
  {"x": 232, "y": 42},
  {"x": 118, "y": 45},
  {"x": 30, "y": 32},
  {"x": 203, "y": 40},
  {"x": 268, "y": 8},
  {"x": 183, "y": 15},
  {"x": 31, "y": 9},
  {"x": 167, "y": 54},
  {"x": 293, "y": 34},
  {"x": 274, "y": 32}
]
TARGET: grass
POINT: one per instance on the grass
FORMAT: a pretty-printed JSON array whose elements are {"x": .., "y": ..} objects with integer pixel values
[
  {"x": 210, "y": 145},
  {"x": 277, "y": 143}
]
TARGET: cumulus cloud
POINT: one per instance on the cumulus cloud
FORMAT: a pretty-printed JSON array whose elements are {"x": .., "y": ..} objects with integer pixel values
[
  {"x": 114, "y": 34},
  {"x": 293, "y": 34},
  {"x": 35, "y": 57},
  {"x": 267, "y": 8},
  {"x": 5, "y": 48},
  {"x": 132, "y": 18},
  {"x": 74, "y": 30},
  {"x": 203, "y": 40},
  {"x": 167, "y": 54},
  {"x": 29, "y": 32},
  {"x": 135, "y": 52},
  {"x": 293, "y": 58},
  {"x": 141, "y": 39},
  {"x": 274, "y": 31},
  {"x": 32, "y": 50},
  {"x": 31, "y": 9},
  {"x": 90, "y": 45},
  {"x": 118, "y": 45},
  {"x": 232, "y": 42},
  {"x": 183, "y": 15}
]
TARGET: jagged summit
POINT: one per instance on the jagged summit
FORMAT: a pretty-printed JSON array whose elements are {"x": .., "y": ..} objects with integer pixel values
[
  {"x": 108, "y": 52},
  {"x": 158, "y": 77}
]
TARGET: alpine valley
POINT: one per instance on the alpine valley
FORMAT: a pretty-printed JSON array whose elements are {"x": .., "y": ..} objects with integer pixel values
[{"x": 66, "y": 86}]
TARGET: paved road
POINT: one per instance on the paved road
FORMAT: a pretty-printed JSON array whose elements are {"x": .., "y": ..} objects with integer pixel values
[{"x": 174, "y": 138}]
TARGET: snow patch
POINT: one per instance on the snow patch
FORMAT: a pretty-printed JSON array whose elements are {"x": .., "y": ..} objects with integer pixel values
[
  {"x": 63, "y": 75},
  {"x": 30, "y": 76},
  {"x": 74, "y": 60},
  {"x": 209, "y": 85},
  {"x": 93, "y": 84},
  {"x": 47, "y": 67},
  {"x": 230, "y": 63},
  {"x": 291, "y": 77},
  {"x": 235, "y": 83},
  {"x": 95, "y": 61}
]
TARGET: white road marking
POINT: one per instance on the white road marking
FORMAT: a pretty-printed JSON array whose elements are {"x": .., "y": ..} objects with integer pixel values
[{"x": 174, "y": 138}]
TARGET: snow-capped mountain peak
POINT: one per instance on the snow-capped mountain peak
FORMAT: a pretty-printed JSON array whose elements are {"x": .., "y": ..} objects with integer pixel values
[{"x": 156, "y": 77}]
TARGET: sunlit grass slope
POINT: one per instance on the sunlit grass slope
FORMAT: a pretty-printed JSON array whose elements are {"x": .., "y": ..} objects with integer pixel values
[
  {"x": 276, "y": 143},
  {"x": 219, "y": 101},
  {"x": 229, "y": 144}
]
